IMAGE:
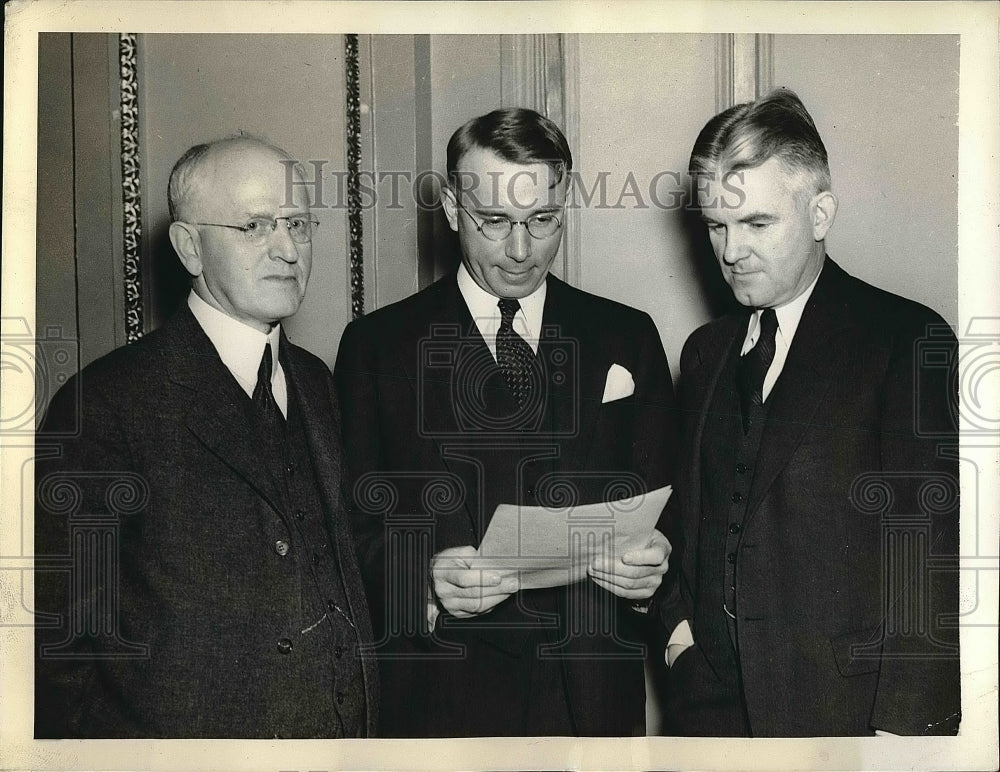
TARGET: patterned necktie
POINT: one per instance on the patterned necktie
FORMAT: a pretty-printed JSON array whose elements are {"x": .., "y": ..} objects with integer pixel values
[
  {"x": 263, "y": 397},
  {"x": 753, "y": 368},
  {"x": 514, "y": 355}
]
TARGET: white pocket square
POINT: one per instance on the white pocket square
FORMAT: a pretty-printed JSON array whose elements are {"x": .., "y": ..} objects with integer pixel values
[{"x": 618, "y": 385}]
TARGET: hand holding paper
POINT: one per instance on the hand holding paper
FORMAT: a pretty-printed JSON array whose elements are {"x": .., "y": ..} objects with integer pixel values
[
  {"x": 465, "y": 591},
  {"x": 637, "y": 573},
  {"x": 550, "y": 547}
]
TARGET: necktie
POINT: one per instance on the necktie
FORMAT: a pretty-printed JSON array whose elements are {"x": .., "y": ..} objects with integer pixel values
[
  {"x": 514, "y": 355},
  {"x": 753, "y": 368},
  {"x": 263, "y": 397}
]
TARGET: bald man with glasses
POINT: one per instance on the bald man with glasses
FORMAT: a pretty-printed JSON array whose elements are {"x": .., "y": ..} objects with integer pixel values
[
  {"x": 501, "y": 384},
  {"x": 225, "y": 599}
]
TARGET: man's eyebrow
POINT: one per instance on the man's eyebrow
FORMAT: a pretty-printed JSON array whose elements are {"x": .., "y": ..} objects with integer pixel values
[
  {"x": 498, "y": 211},
  {"x": 758, "y": 216}
]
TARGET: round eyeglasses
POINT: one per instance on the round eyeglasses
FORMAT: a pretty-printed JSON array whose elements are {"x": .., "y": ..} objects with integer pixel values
[
  {"x": 300, "y": 228},
  {"x": 497, "y": 227}
]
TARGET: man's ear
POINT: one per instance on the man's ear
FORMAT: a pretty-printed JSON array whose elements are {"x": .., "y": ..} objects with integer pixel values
[
  {"x": 450, "y": 205},
  {"x": 824, "y": 211},
  {"x": 187, "y": 245}
]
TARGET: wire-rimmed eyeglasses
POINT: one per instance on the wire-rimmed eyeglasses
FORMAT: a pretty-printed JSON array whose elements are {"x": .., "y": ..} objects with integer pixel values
[
  {"x": 497, "y": 227},
  {"x": 300, "y": 227}
]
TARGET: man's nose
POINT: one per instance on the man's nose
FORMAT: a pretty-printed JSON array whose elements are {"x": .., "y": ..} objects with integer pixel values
[
  {"x": 735, "y": 247},
  {"x": 281, "y": 246},
  {"x": 519, "y": 242}
]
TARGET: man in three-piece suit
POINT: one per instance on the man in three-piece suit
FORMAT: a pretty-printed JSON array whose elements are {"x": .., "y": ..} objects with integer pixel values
[
  {"x": 817, "y": 500},
  {"x": 502, "y": 384},
  {"x": 195, "y": 564}
]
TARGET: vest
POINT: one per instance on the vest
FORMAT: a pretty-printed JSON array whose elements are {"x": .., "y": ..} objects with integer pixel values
[{"x": 325, "y": 633}]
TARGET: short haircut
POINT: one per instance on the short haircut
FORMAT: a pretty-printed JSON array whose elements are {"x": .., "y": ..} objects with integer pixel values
[
  {"x": 184, "y": 175},
  {"x": 517, "y": 135},
  {"x": 747, "y": 135}
]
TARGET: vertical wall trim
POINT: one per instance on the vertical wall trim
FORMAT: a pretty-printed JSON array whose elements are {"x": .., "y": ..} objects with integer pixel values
[
  {"x": 744, "y": 68},
  {"x": 570, "y": 52},
  {"x": 354, "y": 222},
  {"x": 131, "y": 186},
  {"x": 765, "y": 63},
  {"x": 724, "y": 72}
]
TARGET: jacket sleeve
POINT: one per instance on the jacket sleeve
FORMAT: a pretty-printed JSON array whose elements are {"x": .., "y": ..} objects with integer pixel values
[{"x": 919, "y": 679}]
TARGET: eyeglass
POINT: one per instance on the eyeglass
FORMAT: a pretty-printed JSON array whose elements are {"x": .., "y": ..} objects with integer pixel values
[
  {"x": 300, "y": 228},
  {"x": 497, "y": 227}
]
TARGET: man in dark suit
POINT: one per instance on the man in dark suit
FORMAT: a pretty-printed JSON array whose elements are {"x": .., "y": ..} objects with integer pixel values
[
  {"x": 817, "y": 592},
  {"x": 196, "y": 573},
  {"x": 502, "y": 384}
]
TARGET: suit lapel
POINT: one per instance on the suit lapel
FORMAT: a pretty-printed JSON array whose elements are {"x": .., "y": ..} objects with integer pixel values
[
  {"x": 315, "y": 402},
  {"x": 574, "y": 377},
  {"x": 814, "y": 359},
  {"x": 216, "y": 409},
  {"x": 431, "y": 357}
]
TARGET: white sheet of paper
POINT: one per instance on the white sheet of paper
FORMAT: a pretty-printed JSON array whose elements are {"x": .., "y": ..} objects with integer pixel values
[{"x": 549, "y": 547}]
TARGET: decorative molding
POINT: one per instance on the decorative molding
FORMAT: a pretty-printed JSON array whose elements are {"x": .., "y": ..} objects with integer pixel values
[
  {"x": 744, "y": 68},
  {"x": 354, "y": 208},
  {"x": 131, "y": 186}
]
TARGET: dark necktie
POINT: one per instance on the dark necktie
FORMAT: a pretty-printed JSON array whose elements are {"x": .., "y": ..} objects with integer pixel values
[
  {"x": 514, "y": 355},
  {"x": 263, "y": 398},
  {"x": 753, "y": 368}
]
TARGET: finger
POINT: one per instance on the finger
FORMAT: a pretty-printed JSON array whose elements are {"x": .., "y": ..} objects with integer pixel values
[
  {"x": 624, "y": 592},
  {"x": 653, "y": 555},
  {"x": 644, "y": 581},
  {"x": 467, "y": 577},
  {"x": 636, "y": 573}
]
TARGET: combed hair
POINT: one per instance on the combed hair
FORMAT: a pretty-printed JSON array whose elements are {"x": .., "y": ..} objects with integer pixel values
[
  {"x": 516, "y": 134},
  {"x": 745, "y": 136},
  {"x": 185, "y": 172}
]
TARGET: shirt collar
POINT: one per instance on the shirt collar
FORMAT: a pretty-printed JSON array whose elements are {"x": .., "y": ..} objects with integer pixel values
[
  {"x": 788, "y": 315},
  {"x": 239, "y": 346},
  {"x": 483, "y": 307}
]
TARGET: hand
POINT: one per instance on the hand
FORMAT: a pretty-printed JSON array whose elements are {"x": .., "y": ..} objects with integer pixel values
[
  {"x": 636, "y": 574},
  {"x": 465, "y": 591}
]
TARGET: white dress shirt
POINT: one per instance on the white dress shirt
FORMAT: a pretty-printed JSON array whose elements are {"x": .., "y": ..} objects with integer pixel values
[
  {"x": 241, "y": 347},
  {"x": 788, "y": 316},
  {"x": 486, "y": 314}
]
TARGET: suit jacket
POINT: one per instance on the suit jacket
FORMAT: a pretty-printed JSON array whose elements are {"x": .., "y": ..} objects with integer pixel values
[
  {"x": 175, "y": 522},
  {"x": 846, "y": 570},
  {"x": 430, "y": 457}
]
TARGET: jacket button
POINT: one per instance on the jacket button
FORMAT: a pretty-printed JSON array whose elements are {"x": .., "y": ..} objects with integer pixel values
[
  {"x": 734, "y": 528},
  {"x": 300, "y": 514},
  {"x": 741, "y": 468},
  {"x": 338, "y": 652},
  {"x": 737, "y": 497},
  {"x": 340, "y": 698},
  {"x": 284, "y": 646},
  {"x": 290, "y": 469},
  {"x": 731, "y": 557},
  {"x": 530, "y": 492},
  {"x": 281, "y": 547},
  {"x": 316, "y": 558}
]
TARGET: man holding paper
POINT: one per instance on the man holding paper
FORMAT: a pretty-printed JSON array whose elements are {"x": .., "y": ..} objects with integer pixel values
[{"x": 502, "y": 385}]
